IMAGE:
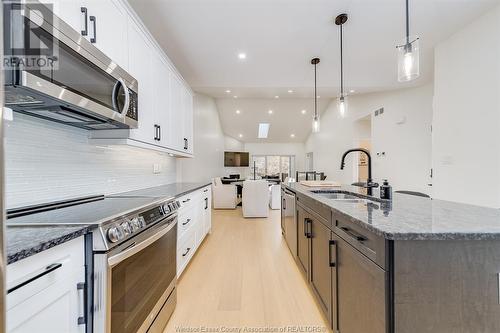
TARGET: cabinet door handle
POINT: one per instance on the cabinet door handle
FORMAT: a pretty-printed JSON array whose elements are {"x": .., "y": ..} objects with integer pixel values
[
  {"x": 93, "y": 20},
  {"x": 185, "y": 143},
  {"x": 85, "y": 32},
  {"x": 156, "y": 132},
  {"x": 205, "y": 190},
  {"x": 187, "y": 200},
  {"x": 81, "y": 287},
  {"x": 331, "y": 245},
  {"x": 284, "y": 203},
  {"x": 307, "y": 223},
  {"x": 356, "y": 236},
  {"x": 35, "y": 276},
  {"x": 206, "y": 203},
  {"x": 187, "y": 221},
  {"x": 187, "y": 251},
  {"x": 159, "y": 132}
]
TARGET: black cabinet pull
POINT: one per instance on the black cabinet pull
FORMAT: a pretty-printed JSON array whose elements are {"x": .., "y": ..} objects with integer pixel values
[
  {"x": 331, "y": 244},
  {"x": 93, "y": 20},
  {"x": 356, "y": 236},
  {"x": 159, "y": 132},
  {"x": 187, "y": 200},
  {"x": 81, "y": 287},
  {"x": 85, "y": 32},
  {"x": 187, "y": 251},
  {"x": 185, "y": 143},
  {"x": 187, "y": 221},
  {"x": 206, "y": 203},
  {"x": 156, "y": 133},
  {"x": 284, "y": 203},
  {"x": 35, "y": 276}
]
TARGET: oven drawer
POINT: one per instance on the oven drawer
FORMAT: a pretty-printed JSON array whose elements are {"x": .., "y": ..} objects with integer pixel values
[{"x": 185, "y": 250}]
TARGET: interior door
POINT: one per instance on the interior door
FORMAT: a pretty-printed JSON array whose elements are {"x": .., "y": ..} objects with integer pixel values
[
  {"x": 361, "y": 291},
  {"x": 140, "y": 55},
  {"x": 322, "y": 263},
  {"x": 303, "y": 222}
]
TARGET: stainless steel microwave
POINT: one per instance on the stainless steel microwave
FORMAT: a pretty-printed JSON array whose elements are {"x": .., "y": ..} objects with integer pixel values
[{"x": 74, "y": 83}]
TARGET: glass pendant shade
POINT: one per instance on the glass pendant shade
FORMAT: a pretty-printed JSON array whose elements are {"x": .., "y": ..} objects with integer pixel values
[
  {"x": 408, "y": 60},
  {"x": 342, "y": 106},
  {"x": 315, "y": 124}
]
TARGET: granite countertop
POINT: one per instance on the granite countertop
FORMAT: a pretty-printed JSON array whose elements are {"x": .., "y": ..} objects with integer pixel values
[
  {"x": 31, "y": 234},
  {"x": 409, "y": 217},
  {"x": 22, "y": 242}
]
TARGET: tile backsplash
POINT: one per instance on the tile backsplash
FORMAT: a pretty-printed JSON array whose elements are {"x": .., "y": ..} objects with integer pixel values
[{"x": 46, "y": 161}]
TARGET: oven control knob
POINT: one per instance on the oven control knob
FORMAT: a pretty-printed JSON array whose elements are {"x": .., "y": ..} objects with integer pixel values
[
  {"x": 127, "y": 228},
  {"x": 142, "y": 222},
  {"x": 115, "y": 234},
  {"x": 166, "y": 209},
  {"x": 178, "y": 204},
  {"x": 135, "y": 224}
]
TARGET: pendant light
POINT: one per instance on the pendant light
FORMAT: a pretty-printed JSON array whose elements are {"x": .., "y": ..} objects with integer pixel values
[
  {"x": 315, "y": 123},
  {"x": 342, "y": 101},
  {"x": 408, "y": 54}
]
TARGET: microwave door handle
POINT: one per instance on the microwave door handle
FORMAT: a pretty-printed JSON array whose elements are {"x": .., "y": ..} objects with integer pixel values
[
  {"x": 130, "y": 251},
  {"x": 116, "y": 89}
]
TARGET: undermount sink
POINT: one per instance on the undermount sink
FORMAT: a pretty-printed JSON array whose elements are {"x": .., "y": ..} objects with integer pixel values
[{"x": 343, "y": 196}]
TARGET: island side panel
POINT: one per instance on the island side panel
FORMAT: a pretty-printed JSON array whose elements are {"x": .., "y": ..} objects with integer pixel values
[{"x": 447, "y": 286}]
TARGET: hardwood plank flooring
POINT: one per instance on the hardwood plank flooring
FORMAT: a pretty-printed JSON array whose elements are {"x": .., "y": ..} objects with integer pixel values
[{"x": 243, "y": 276}]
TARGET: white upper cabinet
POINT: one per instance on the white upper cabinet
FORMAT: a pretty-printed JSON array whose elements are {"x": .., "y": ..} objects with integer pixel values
[
  {"x": 165, "y": 101},
  {"x": 107, "y": 26}
]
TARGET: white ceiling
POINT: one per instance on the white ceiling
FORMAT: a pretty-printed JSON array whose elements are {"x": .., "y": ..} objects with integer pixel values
[
  {"x": 204, "y": 37},
  {"x": 286, "y": 119}
]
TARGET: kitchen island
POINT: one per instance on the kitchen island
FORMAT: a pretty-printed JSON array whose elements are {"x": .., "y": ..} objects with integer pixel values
[{"x": 412, "y": 264}]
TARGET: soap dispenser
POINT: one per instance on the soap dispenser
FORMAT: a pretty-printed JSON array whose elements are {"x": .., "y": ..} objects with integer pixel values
[{"x": 386, "y": 191}]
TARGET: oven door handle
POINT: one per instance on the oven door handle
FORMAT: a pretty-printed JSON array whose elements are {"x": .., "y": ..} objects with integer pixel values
[{"x": 130, "y": 251}]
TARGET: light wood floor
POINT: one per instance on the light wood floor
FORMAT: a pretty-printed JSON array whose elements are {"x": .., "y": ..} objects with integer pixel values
[{"x": 243, "y": 275}]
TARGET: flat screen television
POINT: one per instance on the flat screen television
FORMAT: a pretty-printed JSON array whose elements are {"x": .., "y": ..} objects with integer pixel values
[{"x": 236, "y": 159}]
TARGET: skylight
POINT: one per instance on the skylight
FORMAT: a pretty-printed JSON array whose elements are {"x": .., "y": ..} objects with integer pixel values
[{"x": 263, "y": 130}]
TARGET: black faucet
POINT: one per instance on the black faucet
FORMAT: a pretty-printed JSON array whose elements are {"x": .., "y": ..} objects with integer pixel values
[{"x": 369, "y": 185}]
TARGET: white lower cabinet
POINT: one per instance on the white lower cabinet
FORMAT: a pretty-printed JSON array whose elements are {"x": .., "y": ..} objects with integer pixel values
[
  {"x": 194, "y": 223},
  {"x": 45, "y": 293}
]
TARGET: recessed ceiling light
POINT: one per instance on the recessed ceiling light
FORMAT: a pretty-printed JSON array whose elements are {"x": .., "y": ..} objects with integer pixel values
[
  {"x": 292, "y": 135},
  {"x": 351, "y": 91},
  {"x": 170, "y": 154},
  {"x": 263, "y": 130},
  {"x": 228, "y": 91},
  {"x": 235, "y": 96},
  {"x": 240, "y": 135},
  {"x": 318, "y": 96},
  {"x": 303, "y": 111},
  {"x": 238, "y": 111},
  {"x": 270, "y": 111},
  {"x": 242, "y": 56},
  {"x": 290, "y": 91},
  {"x": 276, "y": 96}
]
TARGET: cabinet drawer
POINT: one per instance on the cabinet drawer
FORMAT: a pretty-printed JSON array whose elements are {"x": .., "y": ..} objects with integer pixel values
[
  {"x": 365, "y": 241},
  {"x": 187, "y": 218},
  {"x": 185, "y": 249},
  {"x": 189, "y": 200},
  {"x": 317, "y": 207}
]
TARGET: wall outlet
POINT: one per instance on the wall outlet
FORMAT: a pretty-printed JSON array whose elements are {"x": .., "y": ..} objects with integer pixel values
[{"x": 156, "y": 168}]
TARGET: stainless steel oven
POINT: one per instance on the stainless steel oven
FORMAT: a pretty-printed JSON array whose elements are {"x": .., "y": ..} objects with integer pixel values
[
  {"x": 134, "y": 283},
  {"x": 76, "y": 84}
]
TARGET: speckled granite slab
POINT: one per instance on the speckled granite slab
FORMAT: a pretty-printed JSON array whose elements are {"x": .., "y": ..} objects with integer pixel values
[
  {"x": 23, "y": 242},
  {"x": 165, "y": 191},
  {"x": 415, "y": 218}
]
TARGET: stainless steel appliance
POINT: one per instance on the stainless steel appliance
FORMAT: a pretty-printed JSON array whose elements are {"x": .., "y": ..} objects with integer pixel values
[
  {"x": 83, "y": 88},
  {"x": 289, "y": 219},
  {"x": 134, "y": 247}
]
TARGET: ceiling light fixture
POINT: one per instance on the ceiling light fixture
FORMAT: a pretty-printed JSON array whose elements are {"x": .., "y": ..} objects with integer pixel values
[
  {"x": 276, "y": 97},
  {"x": 290, "y": 91},
  {"x": 303, "y": 111},
  {"x": 242, "y": 56},
  {"x": 292, "y": 135},
  {"x": 270, "y": 111},
  {"x": 408, "y": 54},
  {"x": 351, "y": 91},
  {"x": 240, "y": 135},
  {"x": 235, "y": 96},
  {"x": 342, "y": 101},
  {"x": 263, "y": 130},
  {"x": 228, "y": 91},
  {"x": 315, "y": 123},
  {"x": 238, "y": 111}
]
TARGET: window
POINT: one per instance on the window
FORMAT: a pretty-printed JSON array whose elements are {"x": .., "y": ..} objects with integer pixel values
[{"x": 271, "y": 165}]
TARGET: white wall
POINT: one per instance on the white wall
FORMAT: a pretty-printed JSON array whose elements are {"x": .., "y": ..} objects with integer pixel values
[
  {"x": 46, "y": 161},
  {"x": 407, "y": 146},
  {"x": 466, "y": 118}
]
